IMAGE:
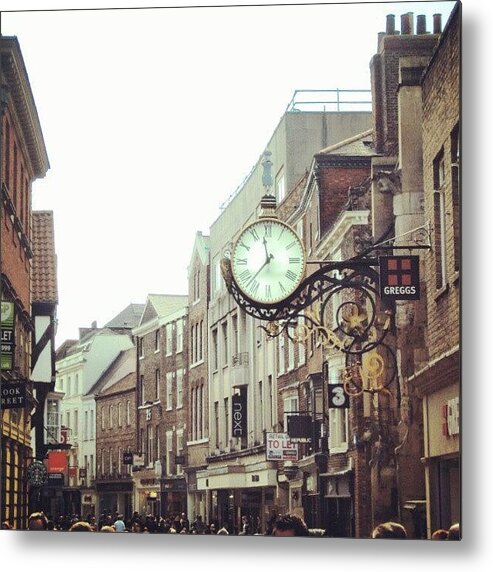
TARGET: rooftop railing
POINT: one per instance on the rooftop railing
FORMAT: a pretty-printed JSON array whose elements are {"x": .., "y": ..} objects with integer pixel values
[{"x": 330, "y": 100}]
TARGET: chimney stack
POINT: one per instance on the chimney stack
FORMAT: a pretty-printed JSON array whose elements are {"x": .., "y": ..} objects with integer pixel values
[
  {"x": 437, "y": 23},
  {"x": 421, "y": 24}
]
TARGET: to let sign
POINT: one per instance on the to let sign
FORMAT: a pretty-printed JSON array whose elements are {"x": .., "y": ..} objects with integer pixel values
[
  {"x": 7, "y": 322},
  {"x": 239, "y": 415},
  {"x": 399, "y": 277},
  {"x": 13, "y": 395},
  {"x": 280, "y": 448}
]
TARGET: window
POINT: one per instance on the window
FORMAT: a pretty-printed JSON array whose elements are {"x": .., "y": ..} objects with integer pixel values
[
  {"x": 338, "y": 418},
  {"x": 140, "y": 344},
  {"x": 290, "y": 354},
  {"x": 281, "y": 353},
  {"x": 169, "y": 451},
  {"x": 271, "y": 403},
  {"x": 193, "y": 412},
  {"x": 301, "y": 343},
  {"x": 169, "y": 390},
  {"x": 179, "y": 449},
  {"x": 76, "y": 384},
  {"x": 157, "y": 383},
  {"x": 280, "y": 186},
  {"x": 103, "y": 467},
  {"x": 86, "y": 425},
  {"x": 261, "y": 404},
  {"x": 156, "y": 341},
  {"x": 111, "y": 414},
  {"x": 214, "y": 350},
  {"x": 234, "y": 341},
  {"x": 119, "y": 460},
  {"x": 193, "y": 343},
  {"x": 76, "y": 423},
  {"x": 200, "y": 344},
  {"x": 179, "y": 388},
  {"x": 226, "y": 420},
  {"x": 290, "y": 406},
  {"x": 179, "y": 336},
  {"x": 169, "y": 339},
  {"x": 128, "y": 412},
  {"x": 119, "y": 415},
  {"x": 200, "y": 411},
  {"x": 439, "y": 221},
  {"x": 217, "y": 276},
  {"x": 142, "y": 390},
  {"x": 455, "y": 166},
  {"x": 158, "y": 445},
  {"x": 69, "y": 386},
  {"x": 92, "y": 425},
  {"x": 224, "y": 328},
  {"x": 216, "y": 423},
  {"x": 111, "y": 463},
  {"x": 150, "y": 445}
]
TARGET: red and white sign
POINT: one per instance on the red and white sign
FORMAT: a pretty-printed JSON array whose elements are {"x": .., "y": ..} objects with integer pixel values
[
  {"x": 281, "y": 448},
  {"x": 57, "y": 462}
]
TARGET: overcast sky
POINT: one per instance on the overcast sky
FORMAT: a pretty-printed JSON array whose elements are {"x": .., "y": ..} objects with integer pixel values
[{"x": 153, "y": 117}]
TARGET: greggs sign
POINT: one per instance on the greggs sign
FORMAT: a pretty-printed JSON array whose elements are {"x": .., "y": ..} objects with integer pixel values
[{"x": 399, "y": 277}]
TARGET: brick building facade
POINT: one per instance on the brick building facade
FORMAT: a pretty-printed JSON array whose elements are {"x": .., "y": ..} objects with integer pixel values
[{"x": 23, "y": 160}]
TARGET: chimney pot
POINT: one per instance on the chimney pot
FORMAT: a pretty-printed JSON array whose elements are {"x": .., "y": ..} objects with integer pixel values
[
  {"x": 421, "y": 24},
  {"x": 437, "y": 23},
  {"x": 390, "y": 29},
  {"x": 405, "y": 24}
]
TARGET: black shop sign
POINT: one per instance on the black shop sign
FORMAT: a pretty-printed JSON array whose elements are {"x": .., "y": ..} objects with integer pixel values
[
  {"x": 239, "y": 415},
  {"x": 399, "y": 277},
  {"x": 13, "y": 395}
]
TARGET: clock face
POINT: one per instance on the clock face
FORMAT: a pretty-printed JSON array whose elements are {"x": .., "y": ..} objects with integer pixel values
[{"x": 268, "y": 261}]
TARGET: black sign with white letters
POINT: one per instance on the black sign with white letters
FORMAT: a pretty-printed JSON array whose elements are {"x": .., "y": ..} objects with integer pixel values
[
  {"x": 239, "y": 416},
  {"x": 13, "y": 395},
  {"x": 399, "y": 277}
]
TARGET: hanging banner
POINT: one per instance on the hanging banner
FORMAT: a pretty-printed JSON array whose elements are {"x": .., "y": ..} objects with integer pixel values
[
  {"x": 57, "y": 462},
  {"x": 239, "y": 415},
  {"x": 300, "y": 428},
  {"x": 7, "y": 321},
  {"x": 399, "y": 277}
]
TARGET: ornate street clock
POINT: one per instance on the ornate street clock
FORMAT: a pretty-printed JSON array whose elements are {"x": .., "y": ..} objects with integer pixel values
[{"x": 268, "y": 261}]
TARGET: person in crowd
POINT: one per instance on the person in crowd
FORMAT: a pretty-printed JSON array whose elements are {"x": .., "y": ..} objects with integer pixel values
[
  {"x": 81, "y": 526},
  {"x": 289, "y": 525},
  {"x": 6, "y": 525},
  {"x": 199, "y": 524},
  {"x": 37, "y": 521},
  {"x": 107, "y": 528},
  {"x": 389, "y": 530},
  {"x": 454, "y": 532},
  {"x": 440, "y": 534},
  {"x": 223, "y": 530},
  {"x": 119, "y": 525}
]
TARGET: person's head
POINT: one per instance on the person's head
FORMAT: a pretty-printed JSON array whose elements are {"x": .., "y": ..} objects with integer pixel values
[
  {"x": 440, "y": 534},
  {"x": 289, "y": 525},
  {"x": 454, "y": 532},
  {"x": 389, "y": 530},
  {"x": 223, "y": 531},
  {"x": 107, "y": 529},
  {"x": 6, "y": 525},
  {"x": 37, "y": 521},
  {"x": 81, "y": 526}
]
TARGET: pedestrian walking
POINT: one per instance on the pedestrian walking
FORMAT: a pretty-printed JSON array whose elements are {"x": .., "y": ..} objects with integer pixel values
[{"x": 389, "y": 529}]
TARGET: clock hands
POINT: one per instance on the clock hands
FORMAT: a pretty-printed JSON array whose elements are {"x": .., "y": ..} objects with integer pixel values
[{"x": 269, "y": 258}]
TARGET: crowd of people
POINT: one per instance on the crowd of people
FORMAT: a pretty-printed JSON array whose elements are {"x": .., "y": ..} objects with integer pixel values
[{"x": 283, "y": 525}]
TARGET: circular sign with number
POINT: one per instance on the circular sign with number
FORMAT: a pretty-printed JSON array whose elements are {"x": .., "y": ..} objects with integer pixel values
[{"x": 37, "y": 474}]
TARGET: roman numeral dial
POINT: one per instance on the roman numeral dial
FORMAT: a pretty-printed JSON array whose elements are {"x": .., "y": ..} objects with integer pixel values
[{"x": 268, "y": 261}]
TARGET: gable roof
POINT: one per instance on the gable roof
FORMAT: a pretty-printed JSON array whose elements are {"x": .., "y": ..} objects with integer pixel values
[
  {"x": 161, "y": 305},
  {"x": 200, "y": 248},
  {"x": 44, "y": 263},
  {"x": 129, "y": 317},
  {"x": 120, "y": 375}
]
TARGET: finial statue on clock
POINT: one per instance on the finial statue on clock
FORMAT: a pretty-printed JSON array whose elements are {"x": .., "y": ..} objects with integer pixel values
[{"x": 268, "y": 258}]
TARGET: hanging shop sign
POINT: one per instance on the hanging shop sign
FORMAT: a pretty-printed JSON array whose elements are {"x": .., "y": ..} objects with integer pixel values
[
  {"x": 37, "y": 474},
  {"x": 239, "y": 415},
  {"x": 300, "y": 428},
  {"x": 128, "y": 457},
  {"x": 55, "y": 480},
  {"x": 399, "y": 277},
  {"x": 279, "y": 447},
  {"x": 57, "y": 462},
  {"x": 13, "y": 395},
  {"x": 7, "y": 321},
  {"x": 338, "y": 398}
]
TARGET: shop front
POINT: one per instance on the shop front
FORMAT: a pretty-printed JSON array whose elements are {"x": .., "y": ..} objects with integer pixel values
[
  {"x": 115, "y": 496},
  {"x": 241, "y": 497},
  {"x": 173, "y": 496}
]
